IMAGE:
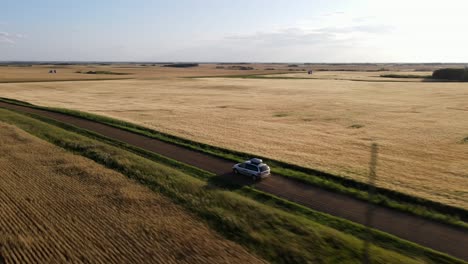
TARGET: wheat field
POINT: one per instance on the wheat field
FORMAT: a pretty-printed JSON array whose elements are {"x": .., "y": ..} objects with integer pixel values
[
  {"x": 57, "y": 207},
  {"x": 40, "y": 73},
  {"x": 320, "y": 123}
]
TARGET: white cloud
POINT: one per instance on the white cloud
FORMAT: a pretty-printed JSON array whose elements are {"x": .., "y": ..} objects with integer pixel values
[
  {"x": 283, "y": 37},
  {"x": 5, "y": 38},
  {"x": 298, "y": 36},
  {"x": 301, "y": 43},
  {"x": 372, "y": 29},
  {"x": 362, "y": 19},
  {"x": 338, "y": 13},
  {"x": 9, "y": 38}
]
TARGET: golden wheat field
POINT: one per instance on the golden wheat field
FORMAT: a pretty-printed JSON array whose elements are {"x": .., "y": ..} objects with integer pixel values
[
  {"x": 38, "y": 73},
  {"x": 326, "y": 123},
  {"x": 56, "y": 207}
]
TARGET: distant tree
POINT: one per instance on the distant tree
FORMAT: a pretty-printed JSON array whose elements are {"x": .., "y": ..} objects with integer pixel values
[
  {"x": 451, "y": 74},
  {"x": 181, "y": 65}
]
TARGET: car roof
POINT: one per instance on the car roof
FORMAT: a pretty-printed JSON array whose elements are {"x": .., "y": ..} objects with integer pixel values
[
  {"x": 256, "y": 161},
  {"x": 255, "y": 164}
]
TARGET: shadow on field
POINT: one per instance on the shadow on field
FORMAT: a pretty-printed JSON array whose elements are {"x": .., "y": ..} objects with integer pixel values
[
  {"x": 230, "y": 181},
  {"x": 442, "y": 80}
]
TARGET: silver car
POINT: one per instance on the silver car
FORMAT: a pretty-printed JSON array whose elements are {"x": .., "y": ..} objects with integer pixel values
[{"x": 254, "y": 168}]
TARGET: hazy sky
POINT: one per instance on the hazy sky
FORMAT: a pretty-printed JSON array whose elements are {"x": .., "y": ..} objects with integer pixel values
[{"x": 241, "y": 30}]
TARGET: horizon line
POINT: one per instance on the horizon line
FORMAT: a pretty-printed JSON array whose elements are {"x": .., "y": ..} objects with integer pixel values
[{"x": 210, "y": 62}]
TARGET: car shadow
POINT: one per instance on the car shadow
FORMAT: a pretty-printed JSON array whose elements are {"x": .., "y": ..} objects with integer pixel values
[{"x": 229, "y": 181}]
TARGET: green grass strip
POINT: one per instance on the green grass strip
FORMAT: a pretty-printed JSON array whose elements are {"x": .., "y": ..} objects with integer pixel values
[{"x": 135, "y": 163}]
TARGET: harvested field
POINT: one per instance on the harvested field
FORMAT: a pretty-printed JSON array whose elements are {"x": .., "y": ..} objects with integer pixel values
[
  {"x": 40, "y": 73},
  {"x": 324, "y": 124},
  {"x": 58, "y": 207}
]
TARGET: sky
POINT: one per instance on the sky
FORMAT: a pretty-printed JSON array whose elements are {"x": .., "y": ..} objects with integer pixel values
[{"x": 234, "y": 31}]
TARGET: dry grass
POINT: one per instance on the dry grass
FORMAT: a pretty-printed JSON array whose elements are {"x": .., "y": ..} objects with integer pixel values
[
  {"x": 324, "y": 124},
  {"x": 56, "y": 207}
]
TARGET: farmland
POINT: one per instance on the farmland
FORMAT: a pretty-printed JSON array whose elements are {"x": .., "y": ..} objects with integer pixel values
[
  {"x": 233, "y": 132},
  {"x": 40, "y": 73},
  {"x": 326, "y": 123},
  {"x": 107, "y": 211},
  {"x": 59, "y": 207}
]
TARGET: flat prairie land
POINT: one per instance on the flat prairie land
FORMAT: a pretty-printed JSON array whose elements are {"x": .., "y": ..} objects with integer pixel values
[
  {"x": 327, "y": 124},
  {"x": 57, "y": 207},
  {"x": 40, "y": 73}
]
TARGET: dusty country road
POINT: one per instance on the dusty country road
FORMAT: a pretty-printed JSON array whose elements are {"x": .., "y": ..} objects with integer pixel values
[{"x": 428, "y": 233}]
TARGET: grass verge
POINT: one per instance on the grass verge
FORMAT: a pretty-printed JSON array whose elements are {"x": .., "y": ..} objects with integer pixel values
[
  {"x": 262, "y": 224},
  {"x": 451, "y": 215}
]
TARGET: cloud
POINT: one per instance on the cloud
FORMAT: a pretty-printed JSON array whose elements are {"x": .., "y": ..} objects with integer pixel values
[
  {"x": 9, "y": 38},
  {"x": 297, "y": 36},
  {"x": 5, "y": 37},
  {"x": 362, "y": 19},
  {"x": 338, "y": 13},
  {"x": 284, "y": 37},
  {"x": 6, "y": 40},
  {"x": 300, "y": 43},
  {"x": 373, "y": 29}
]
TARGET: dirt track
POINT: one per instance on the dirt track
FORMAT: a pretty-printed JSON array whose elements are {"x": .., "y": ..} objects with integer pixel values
[{"x": 434, "y": 235}]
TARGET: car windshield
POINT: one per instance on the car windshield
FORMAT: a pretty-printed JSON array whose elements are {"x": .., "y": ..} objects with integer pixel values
[{"x": 263, "y": 168}]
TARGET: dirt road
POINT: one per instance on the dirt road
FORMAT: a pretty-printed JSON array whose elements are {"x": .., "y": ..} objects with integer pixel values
[{"x": 431, "y": 234}]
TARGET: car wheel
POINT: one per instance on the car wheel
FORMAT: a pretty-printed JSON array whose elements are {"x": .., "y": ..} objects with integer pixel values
[
  {"x": 235, "y": 171},
  {"x": 254, "y": 178}
]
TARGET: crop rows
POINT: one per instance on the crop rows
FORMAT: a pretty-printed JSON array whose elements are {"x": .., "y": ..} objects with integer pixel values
[{"x": 57, "y": 207}]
